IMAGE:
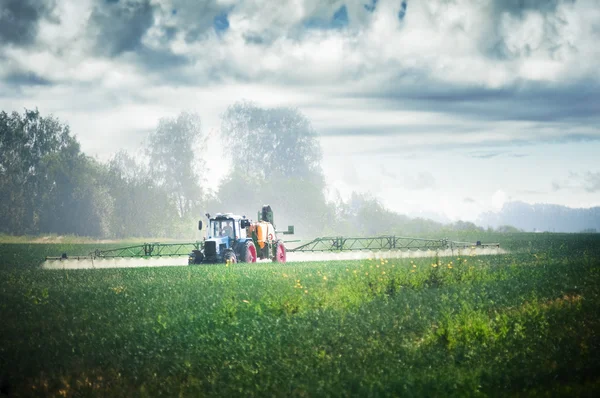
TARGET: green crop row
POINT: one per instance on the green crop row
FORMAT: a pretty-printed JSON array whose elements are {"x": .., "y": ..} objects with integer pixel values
[{"x": 523, "y": 323}]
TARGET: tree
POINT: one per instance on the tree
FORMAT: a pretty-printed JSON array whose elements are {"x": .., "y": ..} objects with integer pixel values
[
  {"x": 141, "y": 207},
  {"x": 275, "y": 159},
  {"x": 174, "y": 160},
  {"x": 275, "y": 141},
  {"x": 508, "y": 229},
  {"x": 48, "y": 185},
  {"x": 28, "y": 143},
  {"x": 74, "y": 199}
]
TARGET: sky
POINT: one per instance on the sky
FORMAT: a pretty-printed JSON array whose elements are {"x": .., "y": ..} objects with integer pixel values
[{"x": 441, "y": 108}]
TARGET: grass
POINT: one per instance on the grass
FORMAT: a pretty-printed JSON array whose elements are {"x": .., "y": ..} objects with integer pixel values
[{"x": 518, "y": 324}]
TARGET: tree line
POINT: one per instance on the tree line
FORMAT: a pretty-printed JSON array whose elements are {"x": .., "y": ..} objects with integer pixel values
[{"x": 48, "y": 185}]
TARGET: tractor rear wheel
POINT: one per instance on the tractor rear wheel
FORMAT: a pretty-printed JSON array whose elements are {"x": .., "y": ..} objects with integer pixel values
[
  {"x": 249, "y": 252},
  {"x": 230, "y": 257},
  {"x": 279, "y": 252}
]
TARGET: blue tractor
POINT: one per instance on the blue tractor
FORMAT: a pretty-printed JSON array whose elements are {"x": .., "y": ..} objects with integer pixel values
[{"x": 232, "y": 238}]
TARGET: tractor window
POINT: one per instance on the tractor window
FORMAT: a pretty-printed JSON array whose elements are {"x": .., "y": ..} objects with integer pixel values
[
  {"x": 215, "y": 229},
  {"x": 219, "y": 228},
  {"x": 241, "y": 231}
]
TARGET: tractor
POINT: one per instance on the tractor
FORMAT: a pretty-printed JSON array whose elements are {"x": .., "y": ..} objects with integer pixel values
[{"x": 232, "y": 238}]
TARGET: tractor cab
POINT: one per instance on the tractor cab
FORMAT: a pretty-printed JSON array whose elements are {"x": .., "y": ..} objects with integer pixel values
[
  {"x": 225, "y": 227},
  {"x": 224, "y": 233}
]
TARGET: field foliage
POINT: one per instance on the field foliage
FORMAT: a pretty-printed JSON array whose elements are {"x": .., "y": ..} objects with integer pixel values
[{"x": 523, "y": 323}]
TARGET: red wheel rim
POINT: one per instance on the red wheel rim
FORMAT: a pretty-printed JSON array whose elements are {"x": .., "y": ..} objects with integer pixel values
[
  {"x": 280, "y": 253},
  {"x": 251, "y": 254}
]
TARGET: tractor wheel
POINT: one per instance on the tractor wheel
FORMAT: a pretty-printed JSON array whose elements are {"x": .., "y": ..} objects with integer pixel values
[
  {"x": 279, "y": 252},
  {"x": 230, "y": 257},
  {"x": 249, "y": 252},
  {"x": 196, "y": 257}
]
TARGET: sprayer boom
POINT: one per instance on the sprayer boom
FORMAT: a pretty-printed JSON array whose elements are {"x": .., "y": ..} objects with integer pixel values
[
  {"x": 141, "y": 251},
  {"x": 338, "y": 244}
]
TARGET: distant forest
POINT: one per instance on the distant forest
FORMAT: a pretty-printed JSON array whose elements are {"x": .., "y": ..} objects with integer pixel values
[{"x": 49, "y": 186}]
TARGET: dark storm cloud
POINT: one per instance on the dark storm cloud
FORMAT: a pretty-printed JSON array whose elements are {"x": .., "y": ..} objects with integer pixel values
[
  {"x": 518, "y": 7},
  {"x": 22, "y": 78},
  {"x": 119, "y": 26},
  {"x": 162, "y": 61},
  {"x": 19, "y": 20},
  {"x": 392, "y": 148},
  {"x": 526, "y": 101},
  {"x": 196, "y": 19},
  {"x": 393, "y": 130},
  {"x": 119, "y": 29}
]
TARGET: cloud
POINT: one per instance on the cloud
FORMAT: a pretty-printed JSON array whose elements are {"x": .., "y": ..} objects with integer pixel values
[
  {"x": 371, "y": 5},
  {"x": 523, "y": 101},
  {"x": 385, "y": 171},
  {"x": 494, "y": 154},
  {"x": 221, "y": 22},
  {"x": 21, "y": 79},
  {"x": 556, "y": 186},
  {"x": 592, "y": 181},
  {"x": 485, "y": 155},
  {"x": 486, "y": 142},
  {"x": 402, "y": 12},
  {"x": 499, "y": 198},
  {"x": 532, "y": 192},
  {"x": 197, "y": 20},
  {"x": 588, "y": 181},
  {"x": 524, "y": 27},
  {"x": 423, "y": 180},
  {"x": 338, "y": 20},
  {"x": 119, "y": 26},
  {"x": 432, "y": 59},
  {"x": 469, "y": 200},
  {"x": 160, "y": 62},
  {"x": 19, "y": 20},
  {"x": 450, "y": 74}
]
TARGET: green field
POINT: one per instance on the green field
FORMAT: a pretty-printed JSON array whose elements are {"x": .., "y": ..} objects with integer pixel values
[{"x": 524, "y": 323}]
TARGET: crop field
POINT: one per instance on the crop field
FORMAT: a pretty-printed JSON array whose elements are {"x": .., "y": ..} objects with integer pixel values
[{"x": 521, "y": 323}]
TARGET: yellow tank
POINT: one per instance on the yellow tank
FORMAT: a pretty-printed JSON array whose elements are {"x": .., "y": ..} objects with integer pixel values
[{"x": 264, "y": 232}]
